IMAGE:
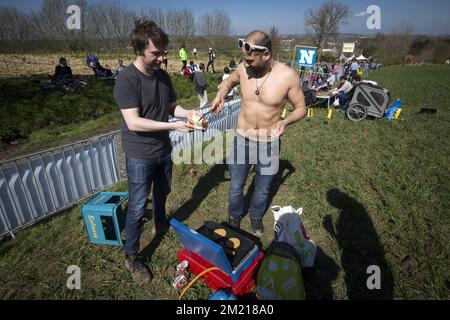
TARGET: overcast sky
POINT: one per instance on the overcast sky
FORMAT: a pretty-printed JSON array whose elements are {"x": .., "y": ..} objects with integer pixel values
[{"x": 427, "y": 17}]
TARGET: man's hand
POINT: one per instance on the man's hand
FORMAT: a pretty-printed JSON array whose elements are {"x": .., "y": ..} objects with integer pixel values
[
  {"x": 183, "y": 126},
  {"x": 278, "y": 131},
  {"x": 217, "y": 105},
  {"x": 192, "y": 113}
]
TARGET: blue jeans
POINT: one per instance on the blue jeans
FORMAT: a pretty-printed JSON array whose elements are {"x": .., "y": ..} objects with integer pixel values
[
  {"x": 265, "y": 157},
  {"x": 343, "y": 99},
  {"x": 141, "y": 174}
]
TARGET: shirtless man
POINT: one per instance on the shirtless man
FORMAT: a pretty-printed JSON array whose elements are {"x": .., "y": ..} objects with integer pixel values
[{"x": 265, "y": 84}]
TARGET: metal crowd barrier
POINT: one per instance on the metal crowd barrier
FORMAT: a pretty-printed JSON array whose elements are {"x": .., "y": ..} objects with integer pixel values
[
  {"x": 39, "y": 185},
  {"x": 227, "y": 119}
]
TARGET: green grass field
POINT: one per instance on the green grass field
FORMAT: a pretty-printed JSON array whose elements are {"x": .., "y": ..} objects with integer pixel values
[
  {"x": 37, "y": 119},
  {"x": 374, "y": 193}
]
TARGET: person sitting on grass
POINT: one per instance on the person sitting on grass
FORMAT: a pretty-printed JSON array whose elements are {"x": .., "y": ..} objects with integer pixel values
[
  {"x": 62, "y": 72},
  {"x": 63, "y": 77}
]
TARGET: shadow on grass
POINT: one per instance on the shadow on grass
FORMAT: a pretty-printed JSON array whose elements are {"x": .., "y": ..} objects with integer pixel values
[
  {"x": 286, "y": 169},
  {"x": 211, "y": 180},
  {"x": 360, "y": 248},
  {"x": 319, "y": 279},
  {"x": 205, "y": 184}
]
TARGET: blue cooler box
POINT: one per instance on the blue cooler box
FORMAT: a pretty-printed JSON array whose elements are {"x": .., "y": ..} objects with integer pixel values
[{"x": 104, "y": 217}]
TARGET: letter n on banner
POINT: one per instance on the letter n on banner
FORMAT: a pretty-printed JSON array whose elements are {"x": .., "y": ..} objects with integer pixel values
[{"x": 304, "y": 57}]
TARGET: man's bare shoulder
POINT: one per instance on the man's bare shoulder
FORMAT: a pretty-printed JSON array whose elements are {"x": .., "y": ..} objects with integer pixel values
[
  {"x": 287, "y": 71},
  {"x": 240, "y": 70}
]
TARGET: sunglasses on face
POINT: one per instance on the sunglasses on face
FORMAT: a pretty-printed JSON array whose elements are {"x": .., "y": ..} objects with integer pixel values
[{"x": 248, "y": 47}]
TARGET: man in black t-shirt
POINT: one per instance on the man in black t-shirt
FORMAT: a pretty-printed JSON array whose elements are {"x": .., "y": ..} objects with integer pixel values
[{"x": 146, "y": 98}]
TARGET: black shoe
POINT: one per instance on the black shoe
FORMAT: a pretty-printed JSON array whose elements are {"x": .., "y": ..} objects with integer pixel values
[
  {"x": 235, "y": 222},
  {"x": 257, "y": 227},
  {"x": 136, "y": 266}
]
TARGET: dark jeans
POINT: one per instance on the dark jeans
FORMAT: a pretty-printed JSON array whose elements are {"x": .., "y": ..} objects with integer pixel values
[
  {"x": 343, "y": 99},
  {"x": 141, "y": 174},
  {"x": 184, "y": 65},
  {"x": 265, "y": 157},
  {"x": 210, "y": 63}
]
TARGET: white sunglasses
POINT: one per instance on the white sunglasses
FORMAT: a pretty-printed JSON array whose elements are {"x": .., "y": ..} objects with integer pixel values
[{"x": 248, "y": 47}]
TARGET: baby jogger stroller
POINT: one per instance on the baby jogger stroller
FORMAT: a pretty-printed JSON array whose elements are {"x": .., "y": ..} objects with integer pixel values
[{"x": 367, "y": 100}]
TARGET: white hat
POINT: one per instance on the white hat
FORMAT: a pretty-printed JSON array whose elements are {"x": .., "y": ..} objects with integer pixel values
[{"x": 210, "y": 49}]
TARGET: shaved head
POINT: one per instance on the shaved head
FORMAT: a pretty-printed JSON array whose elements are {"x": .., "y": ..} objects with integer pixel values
[{"x": 260, "y": 38}]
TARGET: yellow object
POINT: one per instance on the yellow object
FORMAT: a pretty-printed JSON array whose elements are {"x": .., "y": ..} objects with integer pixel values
[
  {"x": 397, "y": 113},
  {"x": 233, "y": 243},
  {"x": 310, "y": 112},
  {"x": 220, "y": 233},
  {"x": 284, "y": 113},
  {"x": 195, "y": 279},
  {"x": 330, "y": 113}
]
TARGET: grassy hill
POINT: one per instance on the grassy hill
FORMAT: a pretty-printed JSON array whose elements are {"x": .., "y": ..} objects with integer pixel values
[{"x": 373, "y": 193}]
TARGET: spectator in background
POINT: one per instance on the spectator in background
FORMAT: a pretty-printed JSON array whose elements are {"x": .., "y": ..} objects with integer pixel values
[
  {"x": 308, "y": 93},
  {"x": 343, "y": 90},
  {"x": 183, "y": 57},
  {"x": 190, "y": 70},
  {"x": 63, "y": 72},
  {"x": 226, "y": 74},
  {"x": 200, "y": 85},
  {"x": 232, "y": 64},
  {"x": 119, "y": 67},
  {"x": 194, "y": 52},
  {"x": 354, "y": 68},
  {"x": 325, "y": 70},
  {"x": 63, "y": 77},
  {"x": 211, "y": 58},
  {"x": 165, "y": 61},
  {"x": 336, "y": 70},
  {"x": 302, "y": 72},
  {"x": 320, "y": 84},
  {"x": 346, "y": 69}
]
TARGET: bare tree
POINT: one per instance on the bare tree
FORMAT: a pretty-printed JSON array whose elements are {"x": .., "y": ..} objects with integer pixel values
[
  {"x": 325, "y": 21},
  {"x": 14, "y": 25},
  {"x": 215, "y": 26},
  {"x": 155, "y": 14},
  {"x": 180, "y": 24},
  {"x": 50, "y": 21},
  {"x": 110, "y": 21},
  {"x": 274, "y": 31}
]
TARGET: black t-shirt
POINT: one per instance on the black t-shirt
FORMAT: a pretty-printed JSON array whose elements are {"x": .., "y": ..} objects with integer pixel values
[{"x": 153, "y": 95}]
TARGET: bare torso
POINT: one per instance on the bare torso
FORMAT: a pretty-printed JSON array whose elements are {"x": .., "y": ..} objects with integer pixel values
[{"x": 262, "y": 111}]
